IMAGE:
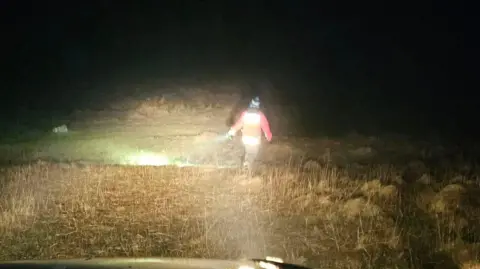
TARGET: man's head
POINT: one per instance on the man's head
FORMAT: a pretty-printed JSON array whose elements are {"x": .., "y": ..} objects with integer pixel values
[{"x": 255, "y": 103}]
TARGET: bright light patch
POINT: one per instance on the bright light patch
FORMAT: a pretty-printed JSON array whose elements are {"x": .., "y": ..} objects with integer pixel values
[
  {"x": 149, "y": 159},
  {"x": 274, "y": 259},
  {"x": 251, "y": 118},
  {"x": 250, "y": 140},
  {"x": 266, "y": 265}
]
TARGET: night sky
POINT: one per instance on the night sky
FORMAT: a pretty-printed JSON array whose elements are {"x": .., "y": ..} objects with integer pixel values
[{"x": 369, "y": 67}]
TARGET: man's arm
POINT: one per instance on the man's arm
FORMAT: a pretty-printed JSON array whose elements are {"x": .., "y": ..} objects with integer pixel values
[{"x": 265, "y": 127}]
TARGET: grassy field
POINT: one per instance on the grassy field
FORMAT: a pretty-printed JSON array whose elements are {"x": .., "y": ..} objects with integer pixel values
[
  {"x": 365, "y": 216},
  {"x": 317, "y": 217}
]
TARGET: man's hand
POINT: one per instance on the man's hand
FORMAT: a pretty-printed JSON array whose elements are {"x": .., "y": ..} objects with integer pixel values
[
  {"x": 230, "y": 134},
  {"x": 269, "y": 138}
]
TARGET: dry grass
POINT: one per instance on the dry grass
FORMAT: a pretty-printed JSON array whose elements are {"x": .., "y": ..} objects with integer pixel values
[
  {"x": 189, "y": 102},
  {"x": 316, "y": 217},
  {"x": 322, "y": 216}
]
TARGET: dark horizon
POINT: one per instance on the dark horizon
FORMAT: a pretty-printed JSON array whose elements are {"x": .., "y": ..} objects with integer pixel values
[{"x": 371, "y": 72}]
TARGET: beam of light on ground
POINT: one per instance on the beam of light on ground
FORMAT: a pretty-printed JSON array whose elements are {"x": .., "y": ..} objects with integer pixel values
[
  {"x": 220, "y": 138},
  {"x": 148, "y": 159},
  {"x": 123, "y": 154}
]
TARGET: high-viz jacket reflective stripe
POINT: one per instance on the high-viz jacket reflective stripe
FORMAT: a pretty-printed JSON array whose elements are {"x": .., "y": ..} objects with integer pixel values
[{"x": 252, "y": 124}]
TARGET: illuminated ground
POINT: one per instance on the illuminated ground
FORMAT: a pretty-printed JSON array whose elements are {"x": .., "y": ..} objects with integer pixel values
[
  {"x": 191, "y": 127},
  {"x": 371, "y": 203},
  {"x": 187, "y": 130}
]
